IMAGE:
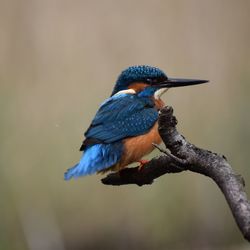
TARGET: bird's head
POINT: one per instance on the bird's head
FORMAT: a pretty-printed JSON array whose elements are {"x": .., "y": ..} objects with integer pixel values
[{"x": 147, "y": 80}]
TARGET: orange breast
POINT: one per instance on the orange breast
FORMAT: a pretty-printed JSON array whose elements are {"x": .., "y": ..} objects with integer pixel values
[
  {"x": 136, "y": 147},
  {"x": 159, "y": 104}
]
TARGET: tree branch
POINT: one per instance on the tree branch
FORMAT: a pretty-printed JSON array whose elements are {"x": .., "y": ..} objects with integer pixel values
[{"x": 186, "y": 156}]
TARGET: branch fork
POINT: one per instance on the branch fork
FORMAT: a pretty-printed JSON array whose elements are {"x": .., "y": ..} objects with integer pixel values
[{"x": 186, "y": 156}]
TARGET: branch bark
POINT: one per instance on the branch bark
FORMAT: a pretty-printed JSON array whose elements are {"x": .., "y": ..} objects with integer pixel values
[{"x": 186, "y": 156}]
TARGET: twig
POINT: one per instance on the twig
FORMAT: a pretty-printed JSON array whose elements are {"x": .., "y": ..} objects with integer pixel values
[
  {"x": 186, "y": 156},
  {"x": 177, "y": 160}
]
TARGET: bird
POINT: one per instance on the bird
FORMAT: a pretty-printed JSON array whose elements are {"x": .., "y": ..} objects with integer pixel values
[{"x": 125, "y": 127}]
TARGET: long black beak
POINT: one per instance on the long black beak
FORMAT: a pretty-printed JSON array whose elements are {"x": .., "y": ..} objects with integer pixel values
[{"x": 178, "y": 82}]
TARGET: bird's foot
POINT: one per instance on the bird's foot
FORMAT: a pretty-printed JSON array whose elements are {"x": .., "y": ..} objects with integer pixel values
[{"x": 142, "y": 163}]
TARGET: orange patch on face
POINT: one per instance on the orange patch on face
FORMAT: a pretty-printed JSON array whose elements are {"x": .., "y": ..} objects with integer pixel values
[{"x": 138, "y": 86}]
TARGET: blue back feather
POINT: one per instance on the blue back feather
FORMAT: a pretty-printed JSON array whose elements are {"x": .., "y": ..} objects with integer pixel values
[
  {"x": 123, "y": 116},
  {"x": 119, "y": 117}
]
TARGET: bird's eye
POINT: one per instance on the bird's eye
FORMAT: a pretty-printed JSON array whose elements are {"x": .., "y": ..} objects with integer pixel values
[
  {"x": 149, "y": 80},
  {"x": 152, "y": 80}
]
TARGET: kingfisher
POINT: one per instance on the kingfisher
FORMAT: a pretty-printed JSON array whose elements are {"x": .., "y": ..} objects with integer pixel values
[{"x": 125, "y": 127}]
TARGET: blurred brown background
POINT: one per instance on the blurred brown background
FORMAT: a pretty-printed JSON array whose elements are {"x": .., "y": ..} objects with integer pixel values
[{"x": 58, "y": 61}]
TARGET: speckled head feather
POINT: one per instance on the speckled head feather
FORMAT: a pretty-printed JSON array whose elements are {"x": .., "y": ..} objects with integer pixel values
[{"x": 139, "y": 73}]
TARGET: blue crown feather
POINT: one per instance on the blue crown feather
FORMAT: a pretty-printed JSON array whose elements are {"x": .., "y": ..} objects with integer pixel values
[{"x": 139, "y": 73}]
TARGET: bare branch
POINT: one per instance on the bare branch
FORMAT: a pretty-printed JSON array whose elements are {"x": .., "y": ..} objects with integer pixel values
[{"x": 186, "y": 156}]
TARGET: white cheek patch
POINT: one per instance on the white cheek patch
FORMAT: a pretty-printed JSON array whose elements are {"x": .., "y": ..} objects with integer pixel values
[
  {"x": 126, "y": 91},
  {"x": 159, "y": 93}
]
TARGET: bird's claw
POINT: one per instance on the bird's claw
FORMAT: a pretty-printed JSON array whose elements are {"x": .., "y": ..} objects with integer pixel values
[{"x": 142, "y": 163}]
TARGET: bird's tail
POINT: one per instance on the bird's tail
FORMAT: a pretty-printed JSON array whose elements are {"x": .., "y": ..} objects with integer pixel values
[{"x": 96, "y": 158}]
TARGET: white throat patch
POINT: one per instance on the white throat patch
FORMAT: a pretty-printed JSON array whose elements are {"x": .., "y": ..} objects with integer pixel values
[{"x": 159, "y": 93}]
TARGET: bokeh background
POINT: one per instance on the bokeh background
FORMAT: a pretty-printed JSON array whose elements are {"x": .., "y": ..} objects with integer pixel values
[{"x": 58, "y": 61}]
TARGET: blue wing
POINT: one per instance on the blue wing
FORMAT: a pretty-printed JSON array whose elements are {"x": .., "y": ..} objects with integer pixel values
[
  {"x": 119, "y": 117},
  {"x": 122, "y": 116}
]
